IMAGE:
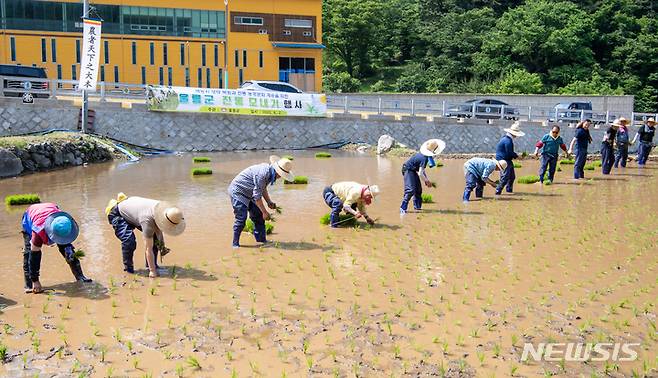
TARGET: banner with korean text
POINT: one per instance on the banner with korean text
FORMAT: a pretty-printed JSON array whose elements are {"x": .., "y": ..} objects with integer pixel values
[
  {"x": 236, "y": 101},
  {"x": 91, "y": 49}
]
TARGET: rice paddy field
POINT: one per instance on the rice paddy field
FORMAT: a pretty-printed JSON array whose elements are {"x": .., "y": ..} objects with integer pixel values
[{"x": 456, "y": 290}]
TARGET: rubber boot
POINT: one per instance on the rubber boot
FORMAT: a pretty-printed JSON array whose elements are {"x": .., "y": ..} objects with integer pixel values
[
  {"x": 26, "y": 272},
  {"x": 76, "y": 269}
]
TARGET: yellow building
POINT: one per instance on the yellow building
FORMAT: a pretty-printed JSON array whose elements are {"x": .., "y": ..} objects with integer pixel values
[{"x": 171, "y": 42}]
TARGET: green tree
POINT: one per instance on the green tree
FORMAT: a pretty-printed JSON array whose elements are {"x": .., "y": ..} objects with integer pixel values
[
  {"x": 517, "y": 81},
  {"x": 340, "y": 82}
]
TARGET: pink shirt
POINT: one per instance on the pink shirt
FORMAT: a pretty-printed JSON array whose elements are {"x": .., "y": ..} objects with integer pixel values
[{"x": 36, "y": 222}]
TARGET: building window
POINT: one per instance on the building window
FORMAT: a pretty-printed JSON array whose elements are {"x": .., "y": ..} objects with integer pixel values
[
  {"x": 289, "y": 65},
  {"x": 74, "y": 72},
  {"x": 297, "y": 23},
  {"x": 134, "y": 52},
  {"x": 244, "y": 58},
  {"x": 240, "y": 78},
  {"x": 170, "y": 76},
  {"x": 262, "y": 31},
  {"x": 59, "y": 72},
  {"x": 182, "y": 54},
  {"x": 106, "y": 51},
  {"x": 187, "y": 77},
  {"x": 116, "y": 74},
  {"x": 77, "y": 51},
  {"x": 239, "y": 20},
  {"x": 102, "y": 73},
  {"x": 152, "y": 53},
  {"x": 203, "y": 55},
  {"x": 307, "y": 34},
  {"x": 44, "y": 52},
  {"x": 237, "y": 58},
  {"x": 216, "y": 55},
  {"x": 165, "y": 58},
  {"x": 199, "y": 77},
  {"x": 220, "y": 76},
  {"x": 12, "y": 46},
  {"x": 53, "y": 49},
  {"x": 161, "y": 76},
  {"x": 143, "y": 75},
  {"x": 207, "y": 77},
  {"x": 287, "y": 32},
  {"x": 260, "y": 59}
]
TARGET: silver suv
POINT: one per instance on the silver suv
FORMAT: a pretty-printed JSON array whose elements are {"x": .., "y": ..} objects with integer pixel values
[{"x": 269, "y": 86}]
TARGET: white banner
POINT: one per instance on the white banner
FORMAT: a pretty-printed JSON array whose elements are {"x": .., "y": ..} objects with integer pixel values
[
  {"x": 91, "y": 50},
  {"x": 236, "y": 101}
]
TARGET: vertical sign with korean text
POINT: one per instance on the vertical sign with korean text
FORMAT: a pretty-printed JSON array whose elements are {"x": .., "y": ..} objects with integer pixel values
[{"x": 90, "y": 55}]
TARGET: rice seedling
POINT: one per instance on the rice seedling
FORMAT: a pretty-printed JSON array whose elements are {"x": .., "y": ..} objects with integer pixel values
[
  {"x": 597, "y": 163},
  {"x": 201, "y": 171},
  {"x": 193, "y": 363},
  {"x": 322, "y": 155},
  {"x": 3, "y": 353},
  {"x": 344, "y": 219},
  {"x": 289, "y": 157},
  {"x": 427, "y": 198},
  {"x": 249, "y": 227},
  {"x": 529, "y": 179},
  {"x": 568, "y": 161},
  {"x": 180, "y": 370},
  {"x": 201, "y": 159},
  {"x": 589, "y": 167},
  {"x": 298, "y": 180},
  {"x": 518, "y": 165},
  {"x": 22, "y": 199}
]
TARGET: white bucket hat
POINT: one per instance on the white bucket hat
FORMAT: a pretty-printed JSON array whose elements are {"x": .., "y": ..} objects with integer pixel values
[
  {"x": 283, "y": 167},
  {"x": 374, "y": 190},
  {"x": 432, "y": 147},
  {"x": 515, "y": 130},
  {"x": 169, "y": 218}
]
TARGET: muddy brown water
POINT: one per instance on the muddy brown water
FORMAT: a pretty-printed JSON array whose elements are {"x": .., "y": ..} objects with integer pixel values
[{"x": 456, "y": 290}]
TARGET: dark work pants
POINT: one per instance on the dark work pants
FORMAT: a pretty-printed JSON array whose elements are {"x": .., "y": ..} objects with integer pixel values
[
  {"x": 550, "y": 162},
  {"x": 607, "y": 158},
  {"x": 336, "y": 205},
  {"x": 32, "y": 261},
  {"x": 125, "y": 232},
  {"x": 240, "y": 210},
  {"x": 412, "y": 188},
  {"x": 579, "y": 164},
  {"x": 507, "y": 178},
  {"x": 643, "y": 153},
  {"x": 473, "y": 182},
  {"x": 621, "y": 156}
]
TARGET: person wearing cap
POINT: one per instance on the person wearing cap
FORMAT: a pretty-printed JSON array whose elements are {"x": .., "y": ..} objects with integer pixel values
[
  {"x": 607, "y": 149},
  {"x": 623, "y": 140},
  {"x": 581, "y": 140},
  {"x": 477, "y": 172},
  {"x": 45, "y": 224},
  {"x": 414, "y": 169},
  {"x": 248, "y": 190},
  {"x": 505, "y": 151},
  {"x": 550, "y": 145},
  {"x": 645, "y": 134},
  {"x": 153, "y": 218},
  {"x": 350, "y": 197}
]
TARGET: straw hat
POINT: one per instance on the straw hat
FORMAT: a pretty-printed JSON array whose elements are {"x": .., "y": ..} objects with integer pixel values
[
  {"x": 651, "y": 121},
  {"x": 283, "y": 167},
  {"x": 61, "y": 228},
  {"x": 169, "y": 218},
  {"x": 432, "y": 147},
  {"x": 515, "y": 130},
  {"x": 374, "y": 190},
  {"x": 502, "y": 164},
  {"x": 621, "y": 121}
]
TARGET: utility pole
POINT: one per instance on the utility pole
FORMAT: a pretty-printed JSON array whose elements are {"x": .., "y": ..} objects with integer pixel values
[
  {"x": 85, "y": 98},
  {"x": 226, "y": 20}
]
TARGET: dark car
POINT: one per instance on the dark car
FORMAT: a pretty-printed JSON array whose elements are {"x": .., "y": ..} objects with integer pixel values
[
  {"x": 484, "y": 109},
  {"x": 571, "y": 112},
  {"x": 13, "y": 87}
]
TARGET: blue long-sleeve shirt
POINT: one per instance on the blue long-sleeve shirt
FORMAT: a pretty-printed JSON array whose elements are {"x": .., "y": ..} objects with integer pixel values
[
  {"x": 249, "y": 184},
  {"x": 505, "y": 149}
]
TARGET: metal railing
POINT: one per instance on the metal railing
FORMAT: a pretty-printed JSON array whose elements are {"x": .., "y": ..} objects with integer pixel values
[{"x": 17, "y": 86}]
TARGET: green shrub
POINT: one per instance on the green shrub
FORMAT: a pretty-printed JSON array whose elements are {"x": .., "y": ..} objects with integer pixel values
[
  {"x": 517, "y": 165},
  {"x": 530, "y": 179},
  {"x": 344, "y": 219},
  {"x": 589, "y": 167},
  {"x": 427, "y": 198},
  {"x": 22, "y": 199},
  {"x": 289, "y": 157},
  {"x": 297, "y": 180},
  {"x": 322, "y": 155},
  {"x": 568, "y": 161},
  {"x": 249, "y": 227},
  {"x": 201, "y": 171},
  {"x": 201, "y": 159}
]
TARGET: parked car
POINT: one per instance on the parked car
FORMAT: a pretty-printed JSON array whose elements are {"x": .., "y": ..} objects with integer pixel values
[
  {"x": 18, "y": 88},
  {"x": 484, "y": 109},
  {"x": 571, "y": 112},
  {"x": 269, "y": 86}
]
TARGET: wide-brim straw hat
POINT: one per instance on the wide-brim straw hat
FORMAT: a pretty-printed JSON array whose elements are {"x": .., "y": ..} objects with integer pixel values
[
  {"x": 502, "y": 164},
  {"x": 432, "y": 147},
  {"x": 621, "y": 121},
  {"x": 169, "y": 218},
  {"x": 283, "y": 167},
  {"x": 652, "y": 121},
  {"x": 515, "y": 130},
  {"x": 373, "y": 190},
  {"x": 61, "y": 228}
]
